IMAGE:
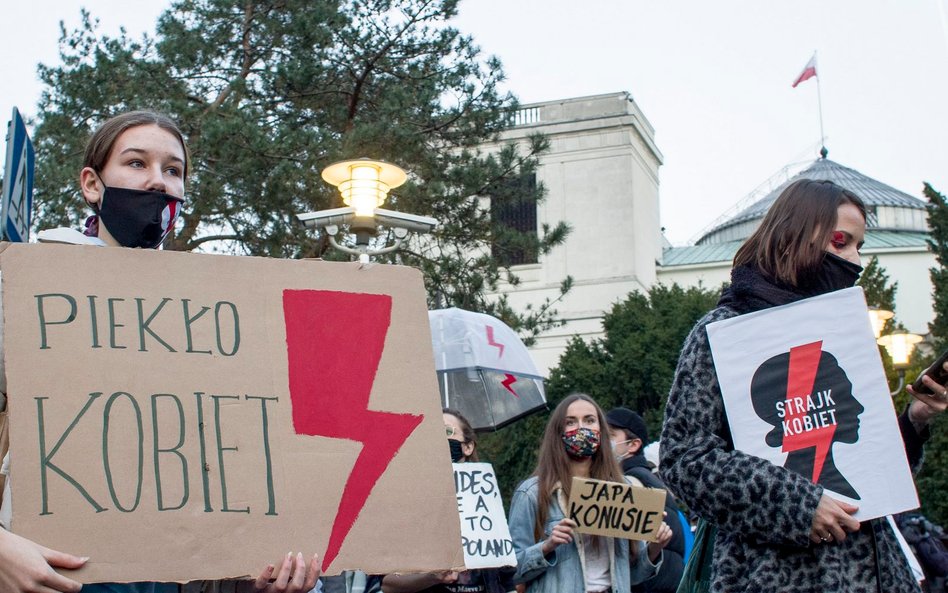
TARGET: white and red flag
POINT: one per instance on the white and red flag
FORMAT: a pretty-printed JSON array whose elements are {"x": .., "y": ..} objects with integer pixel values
[{"x": 809, "y": 71}]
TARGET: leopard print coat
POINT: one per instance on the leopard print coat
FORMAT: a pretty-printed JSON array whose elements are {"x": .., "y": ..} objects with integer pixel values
[{"x": 763, "y": 512}]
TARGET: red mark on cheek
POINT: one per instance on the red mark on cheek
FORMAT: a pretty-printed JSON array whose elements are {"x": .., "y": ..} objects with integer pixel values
[
  {"x": 334, "y": 344},
  {"x": 804, "y": 361}
]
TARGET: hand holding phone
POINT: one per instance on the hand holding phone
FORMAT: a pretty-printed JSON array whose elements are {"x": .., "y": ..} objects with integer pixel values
[{"x": 937, "y": 372}]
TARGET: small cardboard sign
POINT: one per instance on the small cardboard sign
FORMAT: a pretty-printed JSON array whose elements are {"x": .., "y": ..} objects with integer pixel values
[
  {"x": 485, "y": 535},
  {"x": 177, "y": 416},
  {"x": 804, "y": 388},
  {"x": 616, "y": 509}
]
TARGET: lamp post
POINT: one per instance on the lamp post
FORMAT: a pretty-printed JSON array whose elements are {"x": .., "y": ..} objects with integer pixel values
[
  {"x": 899, "y": 345},
  {"x": 878, "y": 317},
  {"x": 364, "y": 184}
]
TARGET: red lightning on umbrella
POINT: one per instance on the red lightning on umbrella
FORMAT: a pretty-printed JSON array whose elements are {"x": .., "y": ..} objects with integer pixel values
[
  {"x": 334, "y": 344},
  {"x": 507, "y": 382},
  {"x": 491, "y": 342},
  {"x": 804, "y": 361}
]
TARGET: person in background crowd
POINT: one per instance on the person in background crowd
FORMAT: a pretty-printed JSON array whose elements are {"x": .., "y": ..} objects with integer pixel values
[
  {"x": 776, "y": 530},
  {"x": 133, "y": 178},
  {"x": 629, "y": 435},
  {"x": 550, "y": 556},
  {"x": 462, "y": 444}
]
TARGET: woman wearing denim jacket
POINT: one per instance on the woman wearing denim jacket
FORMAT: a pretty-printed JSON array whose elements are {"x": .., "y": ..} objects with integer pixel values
[{"x": 550, "y": 557}]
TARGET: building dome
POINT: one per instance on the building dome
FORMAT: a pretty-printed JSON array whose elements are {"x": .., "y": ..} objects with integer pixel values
[{"x": 888, "y": 209}]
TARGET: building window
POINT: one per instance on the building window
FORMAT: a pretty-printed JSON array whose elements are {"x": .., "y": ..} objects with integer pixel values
[{"x": 513, "y": 210}]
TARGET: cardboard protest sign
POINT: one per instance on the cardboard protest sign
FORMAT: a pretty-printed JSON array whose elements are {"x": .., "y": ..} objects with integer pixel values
[
  {"x": 485, "y": 535},
  {"x": 804, "y": 388},
  {"x": 178, "y": 416},
  {"x": 616, "y": 510}
]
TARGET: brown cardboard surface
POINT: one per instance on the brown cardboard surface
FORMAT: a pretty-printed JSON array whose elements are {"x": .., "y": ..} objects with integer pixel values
[
  {"x": 616, "y": 510},
  {"x": 179, "y": 416}
]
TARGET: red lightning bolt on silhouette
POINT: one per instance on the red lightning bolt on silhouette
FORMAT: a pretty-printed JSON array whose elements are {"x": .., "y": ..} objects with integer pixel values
[
  {"x": 804, "y": 361},
  {"x": 490, "y": 340},
  {"x": 507, "y": 382},
  {"x": 334, "y": 343}
]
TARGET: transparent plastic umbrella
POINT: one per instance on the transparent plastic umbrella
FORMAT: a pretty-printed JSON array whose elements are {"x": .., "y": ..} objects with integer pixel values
[{"x": 484, "y": 370}]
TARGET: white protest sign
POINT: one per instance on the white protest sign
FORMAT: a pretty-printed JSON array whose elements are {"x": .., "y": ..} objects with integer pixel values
[
  {"x": 485, "y": 536},
  {"x": 804, "y": 387}
]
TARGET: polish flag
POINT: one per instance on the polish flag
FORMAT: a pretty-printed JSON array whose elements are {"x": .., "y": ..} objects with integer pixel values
[{"x": 809, "y": 71}]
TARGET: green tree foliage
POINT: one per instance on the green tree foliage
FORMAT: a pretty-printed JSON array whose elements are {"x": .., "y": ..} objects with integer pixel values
[
  {"x": 269, "y": 92},
  {"x": 932, "y": 481},
  {"x": 938, "y": 244},
  {"x": 632, "y": 365},
  {"x": 879, "y": 293}
]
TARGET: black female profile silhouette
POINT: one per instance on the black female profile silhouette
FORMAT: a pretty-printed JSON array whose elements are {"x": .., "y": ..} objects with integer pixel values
[{"x": 808, "y": 399}]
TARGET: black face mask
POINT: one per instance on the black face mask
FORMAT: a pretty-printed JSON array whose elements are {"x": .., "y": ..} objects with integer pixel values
[
  {"x": 457, "y": 454},
  {"x": 834, "y": 273},
  {"x": 138, "y": 218}
]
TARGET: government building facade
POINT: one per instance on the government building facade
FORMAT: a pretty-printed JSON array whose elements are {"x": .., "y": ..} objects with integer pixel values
[{"x": 601, "y": 174}]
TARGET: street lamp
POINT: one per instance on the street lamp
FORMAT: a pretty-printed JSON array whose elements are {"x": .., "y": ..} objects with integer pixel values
[
  {"x": 899, "y": 345},
  {"x": 878, "y": 317},
  {"x": 364, "y": 184}
]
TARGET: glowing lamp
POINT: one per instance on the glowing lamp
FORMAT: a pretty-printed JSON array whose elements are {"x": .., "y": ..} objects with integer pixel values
[
  {"x": 878, "y": 317},
  {"x": 364, "y": 183},
  {"x": 899, "y": 346}
]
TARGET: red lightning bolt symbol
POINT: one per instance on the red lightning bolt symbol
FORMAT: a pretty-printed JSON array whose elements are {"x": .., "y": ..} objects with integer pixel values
[
  {"x": 507, "y": 382},
  {"x": 334, "y": 344},
  {"x": 804, "y": 361},
  {"x": 490, "y": 340}
]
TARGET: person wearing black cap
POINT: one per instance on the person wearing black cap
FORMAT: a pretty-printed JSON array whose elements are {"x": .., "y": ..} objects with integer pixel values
[{"x": 629, "y": 435}]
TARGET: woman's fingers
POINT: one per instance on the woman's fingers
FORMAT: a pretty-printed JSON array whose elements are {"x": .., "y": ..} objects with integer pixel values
[
  {"x": 283, "y": 577},
  {"x": 299, "y": 574},
  {"x": 312, "y": 574},
  {"x": 264, "y": 579},
  {"x": 833, "y": 518}
]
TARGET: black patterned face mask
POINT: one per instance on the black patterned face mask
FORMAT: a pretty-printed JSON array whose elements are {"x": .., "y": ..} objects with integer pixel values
[
  {"x": 581, "y": 442},
  {"x": 138, "y": 218}
]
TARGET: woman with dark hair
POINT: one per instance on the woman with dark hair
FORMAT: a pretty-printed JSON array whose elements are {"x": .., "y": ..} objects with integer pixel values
[
  {"x": 462, "y": 441},
  {"x": 133, "y": 177},
  {"x": 776, "y": 529},
  {"x": 550, "y": 556}
]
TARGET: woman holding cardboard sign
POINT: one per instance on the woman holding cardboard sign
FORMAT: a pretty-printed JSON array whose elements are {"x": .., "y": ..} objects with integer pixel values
[
  {"x": 133, "y": 178},
  {"x": 777, "y": 531},
  {"x": 462, "y": 442},
  {"x": 550, "y": 556}
]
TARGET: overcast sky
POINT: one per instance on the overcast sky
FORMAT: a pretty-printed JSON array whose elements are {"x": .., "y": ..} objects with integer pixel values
[{"x": 712, "y": 77}]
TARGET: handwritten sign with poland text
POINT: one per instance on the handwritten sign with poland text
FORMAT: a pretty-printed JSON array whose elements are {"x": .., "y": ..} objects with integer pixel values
[
  {"x": 804, "y": 388},
  {"x": 616, "y": 510},
  {"x": 178, "y": 416},
  {"x": 485, "y": 535}
]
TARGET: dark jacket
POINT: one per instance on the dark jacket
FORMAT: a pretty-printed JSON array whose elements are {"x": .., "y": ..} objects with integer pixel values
[{"x": 673, "y": 564}]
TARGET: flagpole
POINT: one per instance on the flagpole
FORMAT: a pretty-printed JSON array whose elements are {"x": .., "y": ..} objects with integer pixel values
[{"x": 819, "y": 103}]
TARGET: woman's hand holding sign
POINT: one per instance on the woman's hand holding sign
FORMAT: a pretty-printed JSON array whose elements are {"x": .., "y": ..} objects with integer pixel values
[
  {"x": 27, "y": 566},
  {"x": 833, "y": 518},
  {"x": 664, "y": 536},
  {"x": 562, "y": 534},
  {"x": 293, "y": 577}
]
